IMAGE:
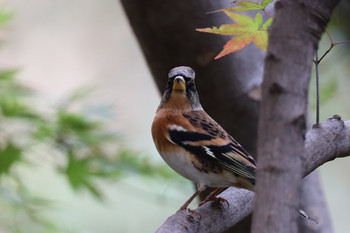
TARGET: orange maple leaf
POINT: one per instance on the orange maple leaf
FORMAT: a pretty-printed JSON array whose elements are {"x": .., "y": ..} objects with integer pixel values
[{"x": 246, "y": 30}]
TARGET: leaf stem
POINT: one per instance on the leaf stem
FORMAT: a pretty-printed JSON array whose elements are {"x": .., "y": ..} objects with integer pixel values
[{"x": 268, "y": 14}]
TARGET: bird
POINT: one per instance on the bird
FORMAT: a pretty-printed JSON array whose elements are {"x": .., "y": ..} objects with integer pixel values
[{"x": 195, "y": 145}]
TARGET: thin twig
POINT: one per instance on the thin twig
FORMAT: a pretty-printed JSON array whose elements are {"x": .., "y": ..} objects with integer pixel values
[
  {"x": 317, "y": 62},
  {"x": 341, "y": 42},
  {"x": 332, "y": 45},
  {"x": 317, "y": 90},
  {"x": 329, "y": 36},
  {"x": 330, "y": 48}
]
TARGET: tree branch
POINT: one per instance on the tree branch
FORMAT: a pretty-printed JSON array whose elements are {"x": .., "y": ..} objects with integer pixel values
[
  {"x": 325, "y": 143},
  {"x": 332, "y": 138}
]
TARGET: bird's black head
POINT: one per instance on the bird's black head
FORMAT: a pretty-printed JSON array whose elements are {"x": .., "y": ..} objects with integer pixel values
[
  {"x": 181, "y": 81},
  {"x": 183, "y": 71}
]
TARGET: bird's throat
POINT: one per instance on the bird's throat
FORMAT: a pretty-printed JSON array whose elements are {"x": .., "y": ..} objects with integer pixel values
[{"x": 178, "y": 101}]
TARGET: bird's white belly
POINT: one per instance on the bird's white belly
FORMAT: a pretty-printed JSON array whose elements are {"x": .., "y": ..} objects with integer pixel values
[{"x": 183, "y": 165}]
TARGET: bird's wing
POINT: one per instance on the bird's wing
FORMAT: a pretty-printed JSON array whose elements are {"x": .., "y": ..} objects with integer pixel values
[{"x": 207, "y": 140}]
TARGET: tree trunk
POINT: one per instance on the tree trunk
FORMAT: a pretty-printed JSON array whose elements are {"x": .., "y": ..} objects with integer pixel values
[
  {"x": 293, "y": 38},
  {"x": 313, "y": 203}
]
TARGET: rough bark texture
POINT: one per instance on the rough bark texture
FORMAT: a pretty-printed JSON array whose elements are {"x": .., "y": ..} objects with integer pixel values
[
  {"x": 293, "y": 38},
  {"x": 327, "y": 142},
  {"x": 241, "y": 201},
  {"x": 212, "y": 217},
  {"x": 313, "y": 201}
]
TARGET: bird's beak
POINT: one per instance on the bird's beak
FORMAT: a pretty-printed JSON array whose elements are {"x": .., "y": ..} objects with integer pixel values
[{"x": 179, "y": 84}]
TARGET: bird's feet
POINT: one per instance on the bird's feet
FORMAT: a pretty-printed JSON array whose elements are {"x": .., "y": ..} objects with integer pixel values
[{"x": 214, "y": 199}]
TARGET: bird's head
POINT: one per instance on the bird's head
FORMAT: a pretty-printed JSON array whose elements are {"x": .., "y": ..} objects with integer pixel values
[{"x": 180, "y": 92}]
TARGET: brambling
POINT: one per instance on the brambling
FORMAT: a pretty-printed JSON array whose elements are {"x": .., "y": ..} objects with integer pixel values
[{"x": 195, "y": 145}]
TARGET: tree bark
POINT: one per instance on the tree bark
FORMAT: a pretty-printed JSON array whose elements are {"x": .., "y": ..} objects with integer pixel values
[
  {"x": 313, "y": 203},
  {"x": 293, "y": 39},
  {"x": 210, "y": 218}
]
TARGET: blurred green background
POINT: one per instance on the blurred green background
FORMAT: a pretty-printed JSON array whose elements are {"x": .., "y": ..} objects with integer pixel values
[{"x": 76, "y": 106}]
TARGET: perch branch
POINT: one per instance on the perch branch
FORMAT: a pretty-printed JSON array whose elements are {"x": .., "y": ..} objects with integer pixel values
[{"x": 325, "y": 142}]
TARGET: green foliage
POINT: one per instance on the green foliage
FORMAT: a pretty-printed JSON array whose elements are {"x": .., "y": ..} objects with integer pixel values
[
  {"x": 5, "y": 15},
  {"x": 247, "y": 5},
  {"x": 141, "y": 165},
  {"x": 91, "y": 152},
  {"x": 9, "y": 156},
  {"x": 267, "y": 24},
  {"x": 18, "y": 119},
  {"x": 246, "y": 30},
  {"x": 80, "y": 173}
]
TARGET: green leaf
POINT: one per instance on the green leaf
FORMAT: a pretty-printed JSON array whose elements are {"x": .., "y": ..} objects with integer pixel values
[
  {"x": 14, "y": 108},
  {"x": 131, "y": 163},
  {"x": 245, "y": 6},
  {"x": 78, "y": 131},
  {"x": 260, "y": 40},
  {"x": 248, "y": 5},
  {"x": 246, "y": 31},
  {"x": 8, "y": 157},
  {"x": 267, "y": 24},
  {"x": 242, "y": 20},
  {"x": 226, "y": 29},
  {"x": 258, "y": 19},
  {"x": 80, "y": 174},
  {"x": 5, "y": 15},
  {"x": 44, "y": 131},
  {"x": 264, "y": 3},
  {"x": 6, "y": 75},
  {"x": 75, "y": 122}
]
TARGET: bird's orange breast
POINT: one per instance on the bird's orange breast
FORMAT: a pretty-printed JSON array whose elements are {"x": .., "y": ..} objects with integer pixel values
[{"x": 160, "y": 126}]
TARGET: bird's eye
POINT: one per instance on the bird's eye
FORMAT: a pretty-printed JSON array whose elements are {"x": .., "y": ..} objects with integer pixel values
[{"x": 189, "y": 81}]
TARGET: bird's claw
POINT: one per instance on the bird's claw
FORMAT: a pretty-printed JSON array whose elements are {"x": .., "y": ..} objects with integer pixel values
[{"x": 215, "y": 199}]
